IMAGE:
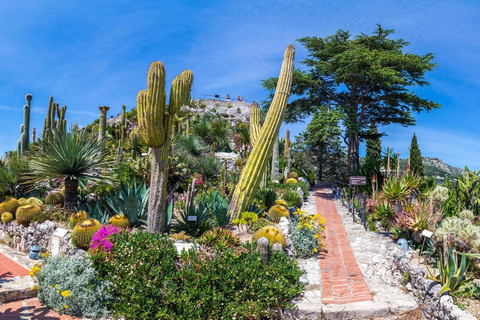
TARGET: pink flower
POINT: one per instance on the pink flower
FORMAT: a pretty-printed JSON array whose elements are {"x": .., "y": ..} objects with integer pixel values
[{"x": 100, "y": 240}]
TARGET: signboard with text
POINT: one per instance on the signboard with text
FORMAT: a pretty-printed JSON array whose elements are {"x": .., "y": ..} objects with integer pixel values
[{"x": 357, "y": 181}]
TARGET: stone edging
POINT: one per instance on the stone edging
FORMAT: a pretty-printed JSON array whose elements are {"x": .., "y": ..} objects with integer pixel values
[{"x": 433, "y": 306}]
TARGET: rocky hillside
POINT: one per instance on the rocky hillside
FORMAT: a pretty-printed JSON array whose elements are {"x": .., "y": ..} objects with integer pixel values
[{"x": 435, "y": 167}]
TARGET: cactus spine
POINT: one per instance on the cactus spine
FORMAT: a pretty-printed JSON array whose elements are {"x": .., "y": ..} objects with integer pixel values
[
  {"x": 102, "y": 125},
  {"x": 155, "y": 121},
  {"x": 257, "y": 161}
]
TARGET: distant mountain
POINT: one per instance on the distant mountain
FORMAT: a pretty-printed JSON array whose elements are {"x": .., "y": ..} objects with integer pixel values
[{"x": 435, "y": 167}]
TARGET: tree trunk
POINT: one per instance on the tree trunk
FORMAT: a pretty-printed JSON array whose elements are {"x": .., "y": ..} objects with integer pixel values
[
  {"x": 71, "y": 194},
  {"x": 353, "y": 158},
  {"x": 158, "y": 189}
]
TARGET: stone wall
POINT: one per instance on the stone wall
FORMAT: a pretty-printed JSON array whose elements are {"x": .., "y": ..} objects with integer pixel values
[
  {"x": 233, "y": 111},
  {"x": 434, "y": 306}
]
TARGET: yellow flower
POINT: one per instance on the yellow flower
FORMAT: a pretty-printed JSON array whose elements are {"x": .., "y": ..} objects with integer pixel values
[
  {"x": 66, "y": 293},
  {"x": 34, "y": 270},
  {"x": 315, "y": 250},
  {"x": 66, "y": 307},
  {"x": 316, "y": 236},
  {"x": 58, "y": 291},
  {"x": 56, "y": 286}
]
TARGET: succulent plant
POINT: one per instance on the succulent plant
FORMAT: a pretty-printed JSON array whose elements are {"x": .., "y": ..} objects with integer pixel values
[
  {"x": 293, "y": 199},
  {"x": 180, "y": 236},
  {"x": 83, "y": 232},
  {"x": 25, "y": 214},
  {"x": 257, "y": 161},
  {"x": 219, "y": 236},
  {"x": 55, "y": 199},
  {"x": 281, "y": 202},
  {"x": 155, "y": 120},
  {"x": 255, "y": 126},
  {"x": 272, "y": 234},
  {"x": 291, "y": 181},
  {"x": 120, "y": 221},
  {"x": 7, "y": 217},
  {"x": 102, "y": 125},
  {"x": 293, "y": 175},
  {"x": 76, "y": 217},
  {"x": 260, "y": 223},
  {"x": 9, "y": 205},
  {"x": 22, "y": 202},
  {"x": 276, "y": 212},
  {"x": 35, "y": 201}
]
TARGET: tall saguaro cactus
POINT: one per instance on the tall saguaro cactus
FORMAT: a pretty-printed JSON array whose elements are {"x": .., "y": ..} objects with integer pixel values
[
  {"x": 23, "y": 142},
  {"x": 123, "y": 123},
  {"x": 287, "y": 153},
  {"x": 275, "y": 161},
  {"x": 50, "y": 124},
  {"x": 155, "y": 120},
  {"x": 257, "y": 161},
  {"x": 102, "y": 125}
]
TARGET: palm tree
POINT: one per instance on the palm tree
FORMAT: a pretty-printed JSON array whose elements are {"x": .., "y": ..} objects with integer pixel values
[{"x": 71, "y": 156}]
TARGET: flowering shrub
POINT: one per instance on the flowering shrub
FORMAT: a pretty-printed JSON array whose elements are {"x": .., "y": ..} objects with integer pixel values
[
  {"x": 100, "y": 241},
  {"x": 70, "y": 285},
  {"x": 151, "y": 282},
  {"x": 306, "y": 231}
]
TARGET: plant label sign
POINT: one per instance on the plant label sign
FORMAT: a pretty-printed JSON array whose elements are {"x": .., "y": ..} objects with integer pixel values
[
  {"x": 357, "y": 181},
  {"x": 191, "y": 218},
  {"x": 427, "y": 233}
]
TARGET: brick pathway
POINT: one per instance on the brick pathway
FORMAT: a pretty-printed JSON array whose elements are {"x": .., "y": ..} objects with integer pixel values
[
  {"x": 342, "y": 280},
  {"x": 10, "y": 269}
]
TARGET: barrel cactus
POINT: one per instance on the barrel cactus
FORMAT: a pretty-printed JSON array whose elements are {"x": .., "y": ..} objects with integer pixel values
[
  {"x": 22, "y": 202},
  {"x": 26, "y": 214},
  {"x": 83, "y": 232},
  {"x": 281, "y": 202},
  {"x": 257, "y": 161},
  {"x": 155, "y": 120},
  {"x": 35, "y": 201},
  {"x": 77, "y": 217},
  {"x": 276, "y": 212},
  {"x": 9, "y": 205},
  {"x": 273, "y": 235},
  {"x": 291, "y": 181},
  {"x": 219, "y": 236},
  {"x": 293, "y": 175},
  {"x": 7, "y": 217},
  {"x": 55, "y": 199},
  {"x": 260, "y": 223},
  {"x": 120, "y": 221}
]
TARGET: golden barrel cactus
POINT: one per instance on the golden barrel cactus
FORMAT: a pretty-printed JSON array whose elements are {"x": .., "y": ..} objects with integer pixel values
[
  {"x": 293, "y": 175},
  {"x": 291, "y": 181},
  {"x": 276, "y": 212},
  {"x": 9, "y": 205},
  {"x": 35, "y": 201},
  {"x": 273, "y": 235},
  {"x": 83, "y": 232},
  {"x": 55, "y": 199},
  {"x": 120, "y": 221},
  {"x": 25, "y": 214},
  {"x": 281, "y": 202},
  {"x": 7, "y": 217},
  {"x": 77, "y": 217}
]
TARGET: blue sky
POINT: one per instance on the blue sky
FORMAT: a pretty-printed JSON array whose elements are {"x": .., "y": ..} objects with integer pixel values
[{"x": 91, "y": 53}]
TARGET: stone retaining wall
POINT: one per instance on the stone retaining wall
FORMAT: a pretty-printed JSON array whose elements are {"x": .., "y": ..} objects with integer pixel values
[{"x": 434, "y": 306}]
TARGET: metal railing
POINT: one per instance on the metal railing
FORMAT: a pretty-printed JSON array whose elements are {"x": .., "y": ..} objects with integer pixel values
[
  {"x": 218, "y": 97},
  {"x": 356, "y": 205}
]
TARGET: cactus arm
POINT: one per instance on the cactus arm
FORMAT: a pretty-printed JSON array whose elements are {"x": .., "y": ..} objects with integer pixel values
[
  {"x": 257, "y": 161},
  {"x": 255, "y": 125}
]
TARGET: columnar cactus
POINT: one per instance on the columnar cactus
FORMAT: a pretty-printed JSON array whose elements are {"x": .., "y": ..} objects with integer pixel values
[
  {"x": 23, "y": 143},
  {"x": 287, "y": 152},
  {"x": 102, "y": 125},
  {"x": 257, "y": 161},
  {"x": 34, "y": 134},
  {"x": 123, "y": 124},
  {"x": 134, "y": 144},
  {"x": 61, "y": 123},
  {"x": 50, "y": 125},
  {"x": 275, "y": 161},
  {"x": 155, "y": 120},
  {"x": 255, "y": 125}
]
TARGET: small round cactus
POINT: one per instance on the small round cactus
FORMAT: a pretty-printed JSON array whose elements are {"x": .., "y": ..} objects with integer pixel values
[
  {"x": 77, "y": 217},
  {"x": 7, "y": 217},
  {"x": 276, "y": 212},
  {"x": 55, "y": 199},
  {"x": 273, "y": 235},
  {"x": 281, "y": 202},
  {"x": 291, "y": 181},
  {"x": 9, "y": 205},
  {"x": 120, "y": 221},
  {"x": 83, "y": 232},
  {"x": 25, "y": 214},
  {"x": 293, "y": 175},
  {"x": 35, "y": 201},
  {"x": 260, "y": 223},
  {"x": 23, "y": 202}
]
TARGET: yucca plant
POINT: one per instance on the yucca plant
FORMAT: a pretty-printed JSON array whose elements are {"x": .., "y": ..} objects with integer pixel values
[
  {"x": 452, "y": 274},
  {"x": 70, "y": 156},
  {"x": 131, "y": 201},
  {"x": 190, "y": 145}
]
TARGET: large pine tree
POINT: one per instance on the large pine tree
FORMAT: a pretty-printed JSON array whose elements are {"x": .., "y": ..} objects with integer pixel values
[
  {"x": 374, "y": 144},
  {"x": 416, "y": 164}
]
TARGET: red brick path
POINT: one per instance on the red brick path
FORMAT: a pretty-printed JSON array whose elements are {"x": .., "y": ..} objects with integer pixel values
[
  {"x": 342, "y": 280},
  {"x": 29, "y": 309},
  {"x": 10, "y": 269}
]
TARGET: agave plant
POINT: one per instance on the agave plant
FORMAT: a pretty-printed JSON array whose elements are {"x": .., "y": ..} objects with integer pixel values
[
  {"x": 384, "y": 211},
  {"x": 452, "y": 274},
  {"x": 130, "y": 201},
  {"x": 98, "y": 211},
  {"x": 217, "y": 207},
  {"x": 396, "y": 189},
  {"x": 190, "y": 145},
  {"x": 70, "y": 156}
]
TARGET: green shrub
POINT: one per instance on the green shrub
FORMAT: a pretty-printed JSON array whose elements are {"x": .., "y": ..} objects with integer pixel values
[
  {"x": 150, "y": 282},
  {"x": 293, "y": 199},
  {"x": 306, "y": 233},
  {"x": 70, "y": 286}
]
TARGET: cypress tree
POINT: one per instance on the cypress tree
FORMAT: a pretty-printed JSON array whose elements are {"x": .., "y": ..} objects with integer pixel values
[
  {"x": 374, "y": 144},
  {"x": 416, "y": 164}
]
